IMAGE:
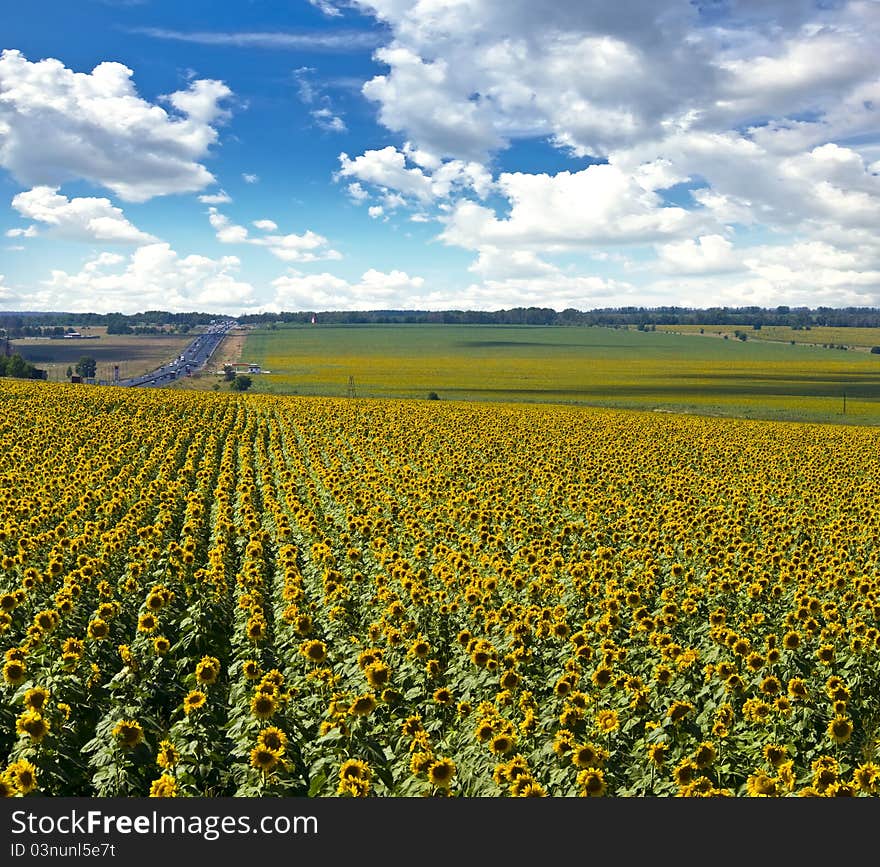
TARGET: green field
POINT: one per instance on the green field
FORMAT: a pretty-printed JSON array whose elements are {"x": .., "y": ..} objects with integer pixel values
[{"x": 581, "y": 365}]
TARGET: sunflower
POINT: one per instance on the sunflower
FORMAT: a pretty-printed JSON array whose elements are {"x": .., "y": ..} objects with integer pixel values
[
  {"x": 15, "y": 672},
  {"x": 563, "y": 742},
  {"x": 658, "y": 753},
  {"x": 377, "y": 674},
  {"x": 591, "y": 783},
  {"x": 771, "y": 685},
  {"x": 314, "y": 651},
  {"x": 36, "y": 698},
  {"x": 263, "y": 759},
  {"x": 826, "y": 771},
  {"x": 412, "y": 725},
  {"x": 840, "y": 729},
  {"x": 8, "y": 789},
  {"x": 167, "y": 755},
  {"x": 208, "y": 670},
  {"x": 867, "y": 777},
  {"x": 164, "y": 787},
  {"x": 33, "y": 724},
  {"x": 273, "y": 738},
  {"x": 251, "y": 669},
  {"x": 704, "y": 755},
  {"x": 128, "y": 733},
  {"x": 161, "y": 645},
  {"x": 195, "y": 699},
  {"x": 155, "y": 601},
  {"x": 23, "y": 775},
  {"x": 509, "y": 680},
  {"x": 353, "y": 788},
  {"x": 602, "y": 676},
  {"x": 363, "y": 705},
  {"x": 420, "y": 648},
  {"x": 797, "y": 689},
  {"x": 441, "y": 772},
  {"x": 263, "y": 705},
  {"x": 685, "y": 772},
  {"x": 256, "y": 628},
  {"x": 147, "y": 622},
  {"x": 502, "y": 744},
  {"x": 678, "y": 711},
  {"x": 525, "y": 787},
  {"x": 775, "y": 754},
  {"x": 98, "y": 629},
  {"x": 355, "y": 769},
  {"x": 586, "y": 756},
  {"x": 443, "y": 696},
  {"x": 46, "y": 620},
  {"x": 825, "y": 654},
  {"x": 607, "y": 721},
  {"x": 791, "y": 640},
  {"x": 420, "y": 762}
]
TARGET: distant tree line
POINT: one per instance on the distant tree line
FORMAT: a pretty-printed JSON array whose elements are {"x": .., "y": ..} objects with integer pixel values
[
  {"x": 33, "y": 324},
  {"x": 795, "y": 317},
  {"x": 17, "y": 325}
]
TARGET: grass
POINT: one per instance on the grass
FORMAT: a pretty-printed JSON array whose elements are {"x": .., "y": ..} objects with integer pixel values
[
  {"x": 597, "y": 366},
  {"x": 134, "y": 353}
]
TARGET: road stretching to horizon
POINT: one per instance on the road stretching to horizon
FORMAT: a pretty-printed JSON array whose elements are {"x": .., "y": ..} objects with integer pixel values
[{"x": 192, "y": 359}]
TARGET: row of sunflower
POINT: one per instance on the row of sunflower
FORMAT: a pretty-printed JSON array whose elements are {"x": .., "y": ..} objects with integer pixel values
[{"x": 242, "y": 595}]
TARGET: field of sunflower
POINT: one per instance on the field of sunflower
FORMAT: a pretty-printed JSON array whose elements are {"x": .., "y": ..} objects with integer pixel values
[
  {"x": 610, "y": 367},
  {"x": 245, "y": 595}
]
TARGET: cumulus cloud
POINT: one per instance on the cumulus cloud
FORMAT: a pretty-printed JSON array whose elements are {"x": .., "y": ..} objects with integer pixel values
[
  {"x": 464, "y": 79},
  {"x": 569, "y": 211},
  {"x": 79, "y": 219},
  {"x": 154, "y": 277},
  {"x": 411, "y": 175},
  {"x": 308, "y": 247},
  {"x": 709, "y": 254},
  {"x": 375, "y": 290},
  {"x": 249, "y": 178},
  {"x": 57, "y": 125}
]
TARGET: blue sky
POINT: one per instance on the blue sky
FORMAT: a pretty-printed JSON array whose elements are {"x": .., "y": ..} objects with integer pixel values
[{"x": 431, "y": 154}]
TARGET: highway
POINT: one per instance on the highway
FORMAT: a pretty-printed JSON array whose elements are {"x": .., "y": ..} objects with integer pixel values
[{"x": 193, "y": 358}]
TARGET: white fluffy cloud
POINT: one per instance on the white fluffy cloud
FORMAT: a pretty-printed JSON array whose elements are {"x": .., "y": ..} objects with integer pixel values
[
  {"x": 375, "y": 290},
  {"x": 571, "y": 210},
  {"x": 464, "y": 78},
  {"x": 413, "y": 175},
  {"x": 709, "y": 254},
  {"x": 57, "y": 125},
  {"x": 154, "y": 277},
  {"x": 80, "y": 219},
  {"x": 308, "y": 247}
]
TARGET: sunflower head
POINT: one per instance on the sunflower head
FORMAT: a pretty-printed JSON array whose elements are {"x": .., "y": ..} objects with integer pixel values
[
  {"x": 164, "y": 787},
  {"x": 263, "y": 759},
  {"x": 273, "y": 738},
  {"x": 441, "y": 772},
  {"x": 194, "y": 700},
  {"x": 363, "y": 705},
  {"x": 263, "y": 705},
  {"x": 128, "y": 733}
]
